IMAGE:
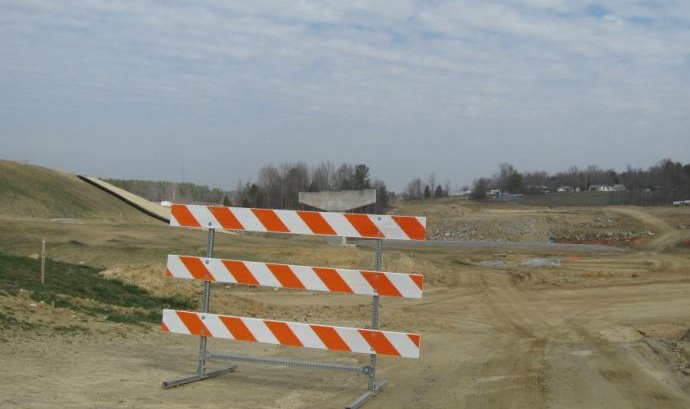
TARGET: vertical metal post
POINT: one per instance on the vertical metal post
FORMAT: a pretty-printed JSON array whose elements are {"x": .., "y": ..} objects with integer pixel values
[
  {"x": 43, "y": 262},
  {"x": 375, "y": 318},
  {"x": 201, "y": 369}
]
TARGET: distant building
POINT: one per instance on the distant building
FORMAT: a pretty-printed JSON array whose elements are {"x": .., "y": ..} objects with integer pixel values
[
  {"x": 565, "y": 189},
  {"x": 338, "y": 201},
  {"x": 607, "y": 188},
  {"x": 509, "y": 197},
  {"x": 600, "y": 188},
  {"x": 460, "y": 193},
  {"x": 538, "y": 189}
]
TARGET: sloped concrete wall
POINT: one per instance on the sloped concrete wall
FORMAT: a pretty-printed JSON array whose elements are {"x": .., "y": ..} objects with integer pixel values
[{"x": 341, "y": 201}]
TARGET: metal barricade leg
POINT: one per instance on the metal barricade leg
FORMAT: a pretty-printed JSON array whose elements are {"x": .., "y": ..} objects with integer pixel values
[
  {"x": 201, "y": 372},
  {"x": 373, "y": 388}
]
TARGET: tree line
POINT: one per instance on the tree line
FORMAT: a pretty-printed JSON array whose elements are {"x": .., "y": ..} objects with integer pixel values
[
  {"x": 419, "y": 189},
  {"x": 666, "y": 176},
  {"x": 278, "y": 186},
  {"x": 158, "y": 191}
]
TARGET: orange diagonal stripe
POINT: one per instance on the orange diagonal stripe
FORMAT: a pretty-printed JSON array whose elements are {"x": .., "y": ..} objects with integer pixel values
[
  {"x": 330, "y": 337},
  {"x": 283, "y": 333},
  {"x": 285, "y": 275},
  {"x": 411, "y": 226},
  {"x": 332, "y": 279},
  {"x": 418, "y": 279},
  {"x": 193, "y": 323},
  {"x": 164, "y": 327},
  {"x": 225, "y": 218},
  {"x": 240, "y": 271},
  {"x": 270, "y": 220},
  {"x": 183, "y": 216},
  {"x": 415, "y": 338},
  {"x": 237, "y": 328},
  {"x": 379, "y": 343},
  {"x": 197, "y": 268},
  {"x": 364, "y": 226},
  {"x": 316, "y": 223},
  {"x": 381, "y": 284}
]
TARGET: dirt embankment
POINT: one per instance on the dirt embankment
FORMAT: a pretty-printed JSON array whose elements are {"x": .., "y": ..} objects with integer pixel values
[{"x": 500, "y": 329}]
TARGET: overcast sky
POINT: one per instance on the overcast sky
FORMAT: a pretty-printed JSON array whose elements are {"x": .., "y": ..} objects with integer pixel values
[{"x": 144, "y": 89}]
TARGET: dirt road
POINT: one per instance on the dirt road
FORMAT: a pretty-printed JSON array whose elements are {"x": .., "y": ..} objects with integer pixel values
[
  {"x": 665, "y": 235},
  {"x": 494, "y": 345},
  {"x": 499, "y": 245},
  {"x": 599, "y": 330}
]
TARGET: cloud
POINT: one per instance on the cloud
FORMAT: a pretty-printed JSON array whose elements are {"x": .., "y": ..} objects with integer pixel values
[{"x": 483, "y": 78}]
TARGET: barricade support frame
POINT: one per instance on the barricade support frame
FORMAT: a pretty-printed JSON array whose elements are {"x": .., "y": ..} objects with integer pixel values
[{"x": 202, "y": 373}]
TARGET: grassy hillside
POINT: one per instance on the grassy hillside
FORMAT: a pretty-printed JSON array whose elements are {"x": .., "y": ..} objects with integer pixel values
[
  {"x": 38, "y": 192},
  {"x": 83, "y": 289}
]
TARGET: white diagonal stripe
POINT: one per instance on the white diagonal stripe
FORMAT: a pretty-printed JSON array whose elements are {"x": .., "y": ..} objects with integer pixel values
[
  {"x": 340, "y": 224},
  {"x": 403, "y": 344},
  {"x": 354, "y": 339},
  {"x": 293, "y": 222},
  {"x": 306, "y": 335},
  {"x": 218, "y": 270},
  {"x": 204, "y": 216},
  {"x": 174, "y": 323},
  {"x": 216, "y": 326},
  {"x": 356, "y": 281},
  {"x": 405, "y": 285},
  {"x": 309, "y": 279},
  {"x": 177, "y": 267},
  {"x": 248, "y": 219},
  {"x": 260, "y": 331},
  {"x": 263, "y": 275},
  {"x": 388, "y": 227}
]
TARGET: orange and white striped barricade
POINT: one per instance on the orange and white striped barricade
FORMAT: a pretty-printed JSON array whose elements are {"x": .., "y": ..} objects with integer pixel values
[{"x": 374, "y": 283}]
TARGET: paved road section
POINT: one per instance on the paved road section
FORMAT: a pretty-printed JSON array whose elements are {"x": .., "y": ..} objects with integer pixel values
[{"x": 485, "y": 244}]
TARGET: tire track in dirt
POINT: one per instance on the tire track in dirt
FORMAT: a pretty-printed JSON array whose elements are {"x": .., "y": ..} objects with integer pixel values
[{"x": 666, "y": 235}]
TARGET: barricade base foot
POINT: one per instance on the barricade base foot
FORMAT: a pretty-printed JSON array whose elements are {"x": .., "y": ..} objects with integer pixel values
[
  {"x": 197, "y": 377},
  {"x": 364, "y": 398}
]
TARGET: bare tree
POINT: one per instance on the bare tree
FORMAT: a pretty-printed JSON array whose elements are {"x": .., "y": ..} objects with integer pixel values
[
  {"x": 345, "y": 177},
  {"x": 502, "y": 178},
  {"x": 415, "y": 189},
  {"x": 295, "y": 179},
  {"x": 322, "y": 176},
  {"x": 480, "y": 189},
  {"x": 432, "y": 182},
  {"x": 270, "y": 184}
]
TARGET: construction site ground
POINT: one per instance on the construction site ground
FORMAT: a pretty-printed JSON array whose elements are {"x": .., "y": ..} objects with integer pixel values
[{"x": 501, "y": 328}]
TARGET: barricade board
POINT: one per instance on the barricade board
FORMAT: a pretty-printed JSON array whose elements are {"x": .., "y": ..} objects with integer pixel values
[
  {"x": 296, "y": 277},
  {"x": 374, "y": 283},
  {"x": 299, "y": 222},
  {"x": 294, "y": 334}
]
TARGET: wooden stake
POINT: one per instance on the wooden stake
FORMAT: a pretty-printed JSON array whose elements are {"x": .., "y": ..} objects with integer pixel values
[{"x": 43, "y": 262}]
